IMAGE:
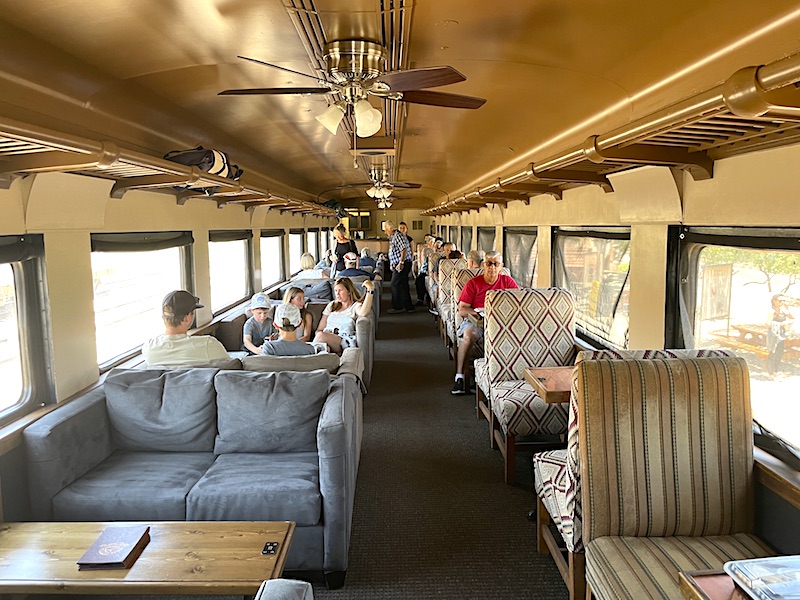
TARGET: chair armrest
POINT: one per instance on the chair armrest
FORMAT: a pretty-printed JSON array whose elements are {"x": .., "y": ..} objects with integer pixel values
[
  {"x": 63, "y": 446},
  {"x": 352, "y": 363}
]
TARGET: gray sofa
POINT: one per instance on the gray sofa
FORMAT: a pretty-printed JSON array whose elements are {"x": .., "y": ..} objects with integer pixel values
[{"x": 205, "y": 444}]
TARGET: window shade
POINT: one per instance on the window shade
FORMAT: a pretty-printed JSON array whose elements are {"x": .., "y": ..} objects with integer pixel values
[{"x": 140, "y": 242}]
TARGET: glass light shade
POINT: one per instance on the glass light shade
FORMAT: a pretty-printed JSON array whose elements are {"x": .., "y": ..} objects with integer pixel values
[
  {"x": 368, "y": 119},
  {"x": 372, "y": 192},
  {"x": 331, "y": 118}
]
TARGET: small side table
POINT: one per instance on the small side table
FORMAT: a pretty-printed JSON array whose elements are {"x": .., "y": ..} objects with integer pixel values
[
  {"x": 709, "y": 585},
  {"x": 553, "y": 384}
]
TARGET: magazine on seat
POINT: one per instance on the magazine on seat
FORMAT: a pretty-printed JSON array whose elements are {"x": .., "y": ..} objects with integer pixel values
[{"x": 773, "y": 578}]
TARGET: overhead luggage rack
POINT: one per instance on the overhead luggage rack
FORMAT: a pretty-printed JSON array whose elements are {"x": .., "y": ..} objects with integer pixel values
[
  {"x": 754, "y": 109},
  {"x": 26, "y": 149}
]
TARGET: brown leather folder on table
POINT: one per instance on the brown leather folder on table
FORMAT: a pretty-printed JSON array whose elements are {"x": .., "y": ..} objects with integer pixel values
[{"x": 116, "y": 548}]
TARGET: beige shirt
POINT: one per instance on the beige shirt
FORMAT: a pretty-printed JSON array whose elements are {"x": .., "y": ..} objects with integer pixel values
[{"x": 183, "y": 350}]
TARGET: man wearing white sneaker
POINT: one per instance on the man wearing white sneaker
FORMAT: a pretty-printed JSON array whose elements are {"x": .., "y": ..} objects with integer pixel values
[{"x": 472, "y": 298}]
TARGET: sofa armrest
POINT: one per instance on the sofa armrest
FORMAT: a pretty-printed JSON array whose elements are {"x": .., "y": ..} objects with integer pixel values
[
  {"x": 63, "y": 446},
  {"x": 352, "y": 363},
  {"x": 337, "y": 444},
  {"x": 365, "y": 339}
]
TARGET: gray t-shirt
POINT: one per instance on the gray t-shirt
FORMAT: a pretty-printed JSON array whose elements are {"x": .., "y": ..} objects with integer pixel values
[
  {"x": 258, "y": 332},
  {"x": 286, "y": 348}
]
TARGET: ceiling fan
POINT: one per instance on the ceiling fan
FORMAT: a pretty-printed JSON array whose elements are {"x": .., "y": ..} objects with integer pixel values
[{"x": 354, "y": 71}]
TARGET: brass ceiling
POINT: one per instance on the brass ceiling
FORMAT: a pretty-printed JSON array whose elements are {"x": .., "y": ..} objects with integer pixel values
[{"x": 144, "y": 76}]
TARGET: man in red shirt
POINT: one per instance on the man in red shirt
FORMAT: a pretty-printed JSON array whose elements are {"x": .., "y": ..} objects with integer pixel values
[{"x": 472, "y": 298}]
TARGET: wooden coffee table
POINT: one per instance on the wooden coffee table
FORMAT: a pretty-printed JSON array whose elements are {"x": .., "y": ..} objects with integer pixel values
[
  {"x": 185, "y": 557},
  {"x": 553, "y": 384}
]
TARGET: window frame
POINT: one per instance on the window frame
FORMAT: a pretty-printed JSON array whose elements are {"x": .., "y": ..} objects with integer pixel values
[
  {"x": 528, "y": 281},
  {"x": 227, "y": 235},
  {"x": 485, "y": 231},
  {"x": 612, "y": 233},
  {"x": 687, "y": 244},
  {"x": 25, "y": 255},
  {"x": 302, "y": 236},
  {"x": 280, "y": 234},
  {"x": 143, "y": 242}
]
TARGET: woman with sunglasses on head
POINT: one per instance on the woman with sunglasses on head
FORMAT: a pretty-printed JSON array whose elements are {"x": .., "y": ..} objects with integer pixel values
[{"x": 337, "y": 327}]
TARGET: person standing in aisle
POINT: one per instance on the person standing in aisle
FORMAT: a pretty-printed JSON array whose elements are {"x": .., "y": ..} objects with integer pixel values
[
  {"x": 400, "y": 265},
  {"x": 343, "y": 245}
]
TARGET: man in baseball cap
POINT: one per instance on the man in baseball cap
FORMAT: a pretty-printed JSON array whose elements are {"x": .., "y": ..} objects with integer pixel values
[
  {"x": 176, "y": 347},
  {"x": 287, "y": 320},
  {"x": 351, "y": 268}
]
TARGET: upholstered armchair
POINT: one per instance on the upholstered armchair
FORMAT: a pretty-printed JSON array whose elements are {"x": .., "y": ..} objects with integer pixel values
[
  {"x": 523, "y": 328},
  {"x": 444, "y": 299},
  {"x": 458, "y": 279},
  {"x": 430, "y": 285},
  {"x": 557, "y": 479},
  {"x": 666, "y": 465}
]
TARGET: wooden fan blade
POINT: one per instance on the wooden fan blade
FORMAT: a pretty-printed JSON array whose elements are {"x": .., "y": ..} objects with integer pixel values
[
  {"x": 416, "y": 79},
  {"x": 442, "y": 99},
  {"x": 407, "y": 185},
  {"x": 273, "y": 91},
  {"x": 266, "y": 64}
]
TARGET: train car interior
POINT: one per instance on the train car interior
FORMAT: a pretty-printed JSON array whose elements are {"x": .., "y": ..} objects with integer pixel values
[{"x": 591, "y": 392}]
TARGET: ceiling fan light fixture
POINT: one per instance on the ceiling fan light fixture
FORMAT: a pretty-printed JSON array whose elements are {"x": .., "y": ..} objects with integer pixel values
[
  {"x": 372, "y": 192},
  {"x": 331, "y": 118},
  {"x": 368, "y": 119}
]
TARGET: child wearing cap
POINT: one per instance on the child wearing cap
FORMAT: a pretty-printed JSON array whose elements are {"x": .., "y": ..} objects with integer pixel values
[
  {"x": 287, "y": 319},
  {"x": 258, "y": 327}
]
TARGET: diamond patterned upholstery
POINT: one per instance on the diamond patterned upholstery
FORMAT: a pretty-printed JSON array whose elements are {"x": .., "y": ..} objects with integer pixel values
[
  {"x": 447, "y": 266},
  {"x": 525, "y": 328}
]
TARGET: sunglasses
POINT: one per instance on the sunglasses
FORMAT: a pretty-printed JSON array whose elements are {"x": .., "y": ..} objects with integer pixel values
[{"x": 491, "y": 264}]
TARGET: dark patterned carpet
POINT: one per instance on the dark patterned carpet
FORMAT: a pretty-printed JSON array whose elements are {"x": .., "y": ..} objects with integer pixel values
[{"x": 433, "y": 517}]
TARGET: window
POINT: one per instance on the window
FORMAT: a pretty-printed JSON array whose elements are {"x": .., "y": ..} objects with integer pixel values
[
  {"x": 325, "y": 246},
  {"x": 416, "y": 225},
  {"x": 357, "y": 220},
  {"x": 486, "y": 238},
  {"x": 132, "y": 273},
  {"x": 594, "y": 266},
  {"x": 466, "y": 239},
  {"x": 24, "y": 364},
  {"x": 519, "y": 254},
  {"x": 271, "y": 257},
  {"x": 229, "y": 268},
  {"x": 312, "y": 243},
  {"x": 10, "y": 348},
  {"x": 452, "y": 234},
  {"x": 742, "y": 295},
  {"x": 295, "y": 249}
]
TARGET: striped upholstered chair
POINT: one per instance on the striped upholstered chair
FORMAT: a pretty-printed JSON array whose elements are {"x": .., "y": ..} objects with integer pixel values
[
  {"x": 444, "y": 300},
  {"x": 524, "y": 328},
  {"x": 557, "y": 479},
  {"x": 666, "y": 465}
]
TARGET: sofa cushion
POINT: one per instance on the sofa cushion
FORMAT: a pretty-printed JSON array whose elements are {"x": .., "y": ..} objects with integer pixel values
[
  {"x": 647, "y": 567},
  {"x": 133, "y": 486},
  {"x": 312, "y": 362},
  {"x": 269, "y": 412},
  {"x": 170, "y": 411},
  {"x": 258, "y": 487},
  {"x": 314, "y": 289}
]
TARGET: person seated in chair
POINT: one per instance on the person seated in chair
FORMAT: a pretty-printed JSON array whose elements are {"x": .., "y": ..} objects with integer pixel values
[
  {"x": 309, "y": 269},
  {"x": 366, "y": 259},
  {"x": 176, "y": 347},
  {"x": 472, "y": 298},
  {"x": 287, "y": 320},
  {"x": 337, "y": 327},
  {"x": 351, "y": 270},
  {"x": 258, "y": 327},
  {"x": 475, "y": 259}
]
